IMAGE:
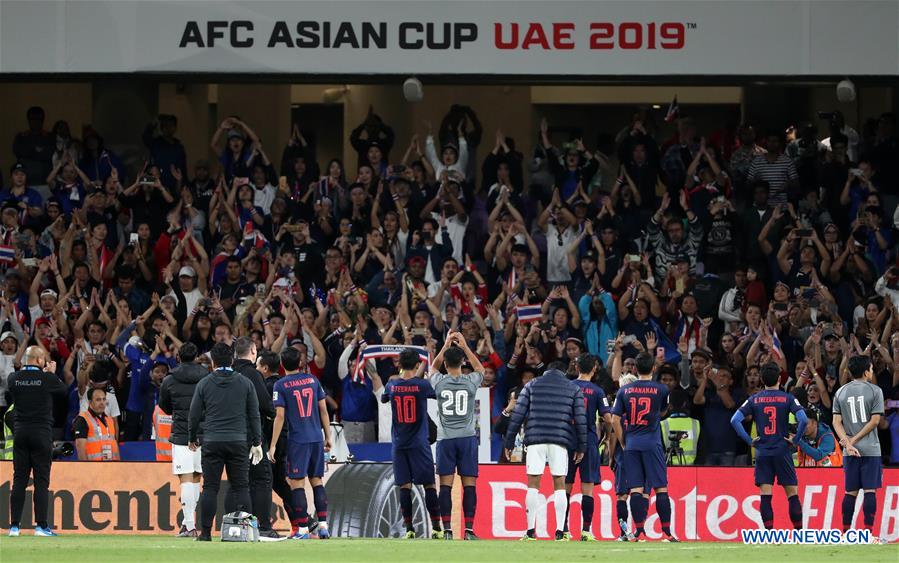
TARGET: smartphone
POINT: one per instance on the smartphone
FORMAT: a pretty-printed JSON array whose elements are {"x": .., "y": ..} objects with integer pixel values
[
  {"x": 857, "y": 172},
  {"x": 133, "y": 239},
  {"x": 419, "y": 332},
  {"x": 29, "y": 262},
  {"x": 629, "y": 339},
  {"x": 779, "y": 306},
  {"x": 803, "y": 232},
  {"x": 679, "y": 285},
  {"x": 610, "y": 346},
  {"x": 892, "y": 404},
  {"x": 660, "y": 352},
  {"x": 633, "y": 257}
]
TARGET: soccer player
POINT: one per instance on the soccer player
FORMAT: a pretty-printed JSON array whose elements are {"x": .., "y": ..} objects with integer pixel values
[
  {"x": 299, "y": 398},
  {"x": 857, "y": 409},
  {"x": 617, "y": 454},
  {"x": 595, "y": 402},
  {"x": 412, "y": 459},
  {"x": 546, "y": 407},
  {"x": 643, "y": 404},
  {"x": 457, "y": 440},
  {"x": 770, "y": 409}
]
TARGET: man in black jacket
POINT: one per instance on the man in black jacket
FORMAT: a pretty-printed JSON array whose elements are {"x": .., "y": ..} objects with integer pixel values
[
  {"x": 175, "y": 395},
  {"x": 226, "y": 404},
  {"x": 546, "y": 407},
  {"x": 33, "y": 390},
  {"x": 261, "y": 473}
]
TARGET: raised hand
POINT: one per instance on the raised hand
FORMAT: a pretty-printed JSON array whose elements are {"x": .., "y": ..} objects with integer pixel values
[{"x": 651, "y": 340}]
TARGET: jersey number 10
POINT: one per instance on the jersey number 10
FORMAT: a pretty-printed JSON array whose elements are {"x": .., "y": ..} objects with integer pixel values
[{"x": 405, "y": 409}]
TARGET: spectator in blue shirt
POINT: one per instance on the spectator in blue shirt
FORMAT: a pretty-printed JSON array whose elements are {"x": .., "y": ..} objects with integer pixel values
[
  {"x": 718, "y": 399},
  {"x": 880, "y": 237},
  {"x": 29, "y": 201},
  {"x": 166, "y": 151},
  {"x": 67, "y": 182},
  {"x": 358, "y": 407},
  {"x": 98, "y": 161}
]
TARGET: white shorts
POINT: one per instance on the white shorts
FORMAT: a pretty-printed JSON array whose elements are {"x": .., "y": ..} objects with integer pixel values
[
  {"x": 538, "y": 455},
  {"x": 185, "y": 461}
]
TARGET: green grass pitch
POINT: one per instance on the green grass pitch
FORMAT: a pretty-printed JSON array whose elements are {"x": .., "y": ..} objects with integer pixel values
[{"x": 123, "y": 549}]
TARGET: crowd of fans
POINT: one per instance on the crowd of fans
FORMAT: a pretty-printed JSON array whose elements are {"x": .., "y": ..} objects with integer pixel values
[{"x": 716, "y": 250}]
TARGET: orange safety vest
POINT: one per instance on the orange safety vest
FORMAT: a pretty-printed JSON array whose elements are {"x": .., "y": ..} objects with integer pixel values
[
  {"x": 162, "y": 428},
  {"x": 835, "y": 459},
  {"x": 101, "y": 439}
]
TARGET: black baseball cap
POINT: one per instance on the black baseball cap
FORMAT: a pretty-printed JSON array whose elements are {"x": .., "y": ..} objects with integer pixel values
[{"x": 18, "y": 167}]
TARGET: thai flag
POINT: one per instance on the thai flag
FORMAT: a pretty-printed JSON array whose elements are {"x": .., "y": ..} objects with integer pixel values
[
  {"x": 7, "y": 253},
  {"x": 513, "y": 280},
  {"x": 382, "y": 351},
  {"x": 528, "y": 313},
  {"x": 673, "y": 111},
  {"x": 778, "y": 350}
]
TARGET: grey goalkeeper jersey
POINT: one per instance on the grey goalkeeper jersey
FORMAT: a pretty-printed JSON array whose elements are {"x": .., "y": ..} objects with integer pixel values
[
  {"x": 456, "y": 404},
  {"x": 856, "y": 402}
]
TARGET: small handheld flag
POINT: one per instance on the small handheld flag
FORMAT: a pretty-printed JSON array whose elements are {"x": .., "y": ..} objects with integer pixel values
[
  {"x": 673, "y": 111},
  {"x": 7, "y": 253},
  {"x": 528, "y": 313}
]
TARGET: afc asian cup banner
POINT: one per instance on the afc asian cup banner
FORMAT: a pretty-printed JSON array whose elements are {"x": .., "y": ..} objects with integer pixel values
[
  {"x": 452, "y": 37},
  {"x": 707, "y": 503}
]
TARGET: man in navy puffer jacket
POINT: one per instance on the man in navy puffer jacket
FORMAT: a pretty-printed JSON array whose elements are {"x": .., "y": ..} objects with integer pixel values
[{"x": 553, "y": 413}]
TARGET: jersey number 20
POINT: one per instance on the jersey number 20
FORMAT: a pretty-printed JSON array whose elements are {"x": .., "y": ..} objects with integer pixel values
[{"x": 454, "y": 402}]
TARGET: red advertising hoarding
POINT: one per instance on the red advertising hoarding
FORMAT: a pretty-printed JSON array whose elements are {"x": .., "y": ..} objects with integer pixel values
[{"x": 708, "y": 503}]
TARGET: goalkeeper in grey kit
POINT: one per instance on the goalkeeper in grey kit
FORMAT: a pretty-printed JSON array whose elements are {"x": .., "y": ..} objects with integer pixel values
[{"x": 457, "y": 440}]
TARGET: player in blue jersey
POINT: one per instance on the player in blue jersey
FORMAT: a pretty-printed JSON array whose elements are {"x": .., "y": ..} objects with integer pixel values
[
  {"x": 643, "y": 404},
  {"x": 616, "y": 453},
  {"x": 300, "y": 399},
  {"x": 596, "y": 404},
  {"x": 412, "y": 459},
  {"x": 770, "y": 409}
]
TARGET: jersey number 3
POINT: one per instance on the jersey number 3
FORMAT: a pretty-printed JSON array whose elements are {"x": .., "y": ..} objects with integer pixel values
[
  {"x": 454, "y": 402},
  {"x": 771, "y": 427}
]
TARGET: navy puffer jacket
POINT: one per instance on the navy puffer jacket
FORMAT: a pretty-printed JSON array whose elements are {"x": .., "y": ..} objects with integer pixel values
[{"x": 552, "y": 410}]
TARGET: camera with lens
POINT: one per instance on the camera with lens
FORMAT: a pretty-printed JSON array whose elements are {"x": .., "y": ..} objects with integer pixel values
[
  {"x": 738, "y": 299},
  {"x": 62, "y": 450},
  {"x": 677, "y": 435}
]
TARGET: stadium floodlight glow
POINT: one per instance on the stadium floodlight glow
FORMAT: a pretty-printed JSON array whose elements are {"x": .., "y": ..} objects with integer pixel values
[
  {"x": 845, "y": 91},
  {"x": 413, "y": 90},
  {"x": 333, "y": 95}
]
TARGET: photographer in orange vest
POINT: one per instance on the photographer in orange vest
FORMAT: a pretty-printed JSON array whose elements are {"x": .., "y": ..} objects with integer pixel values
[
  {"x": 162, "y": 431},
  {"x": 818, "y": 446},
  {"x": 95, "y": 433}
]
